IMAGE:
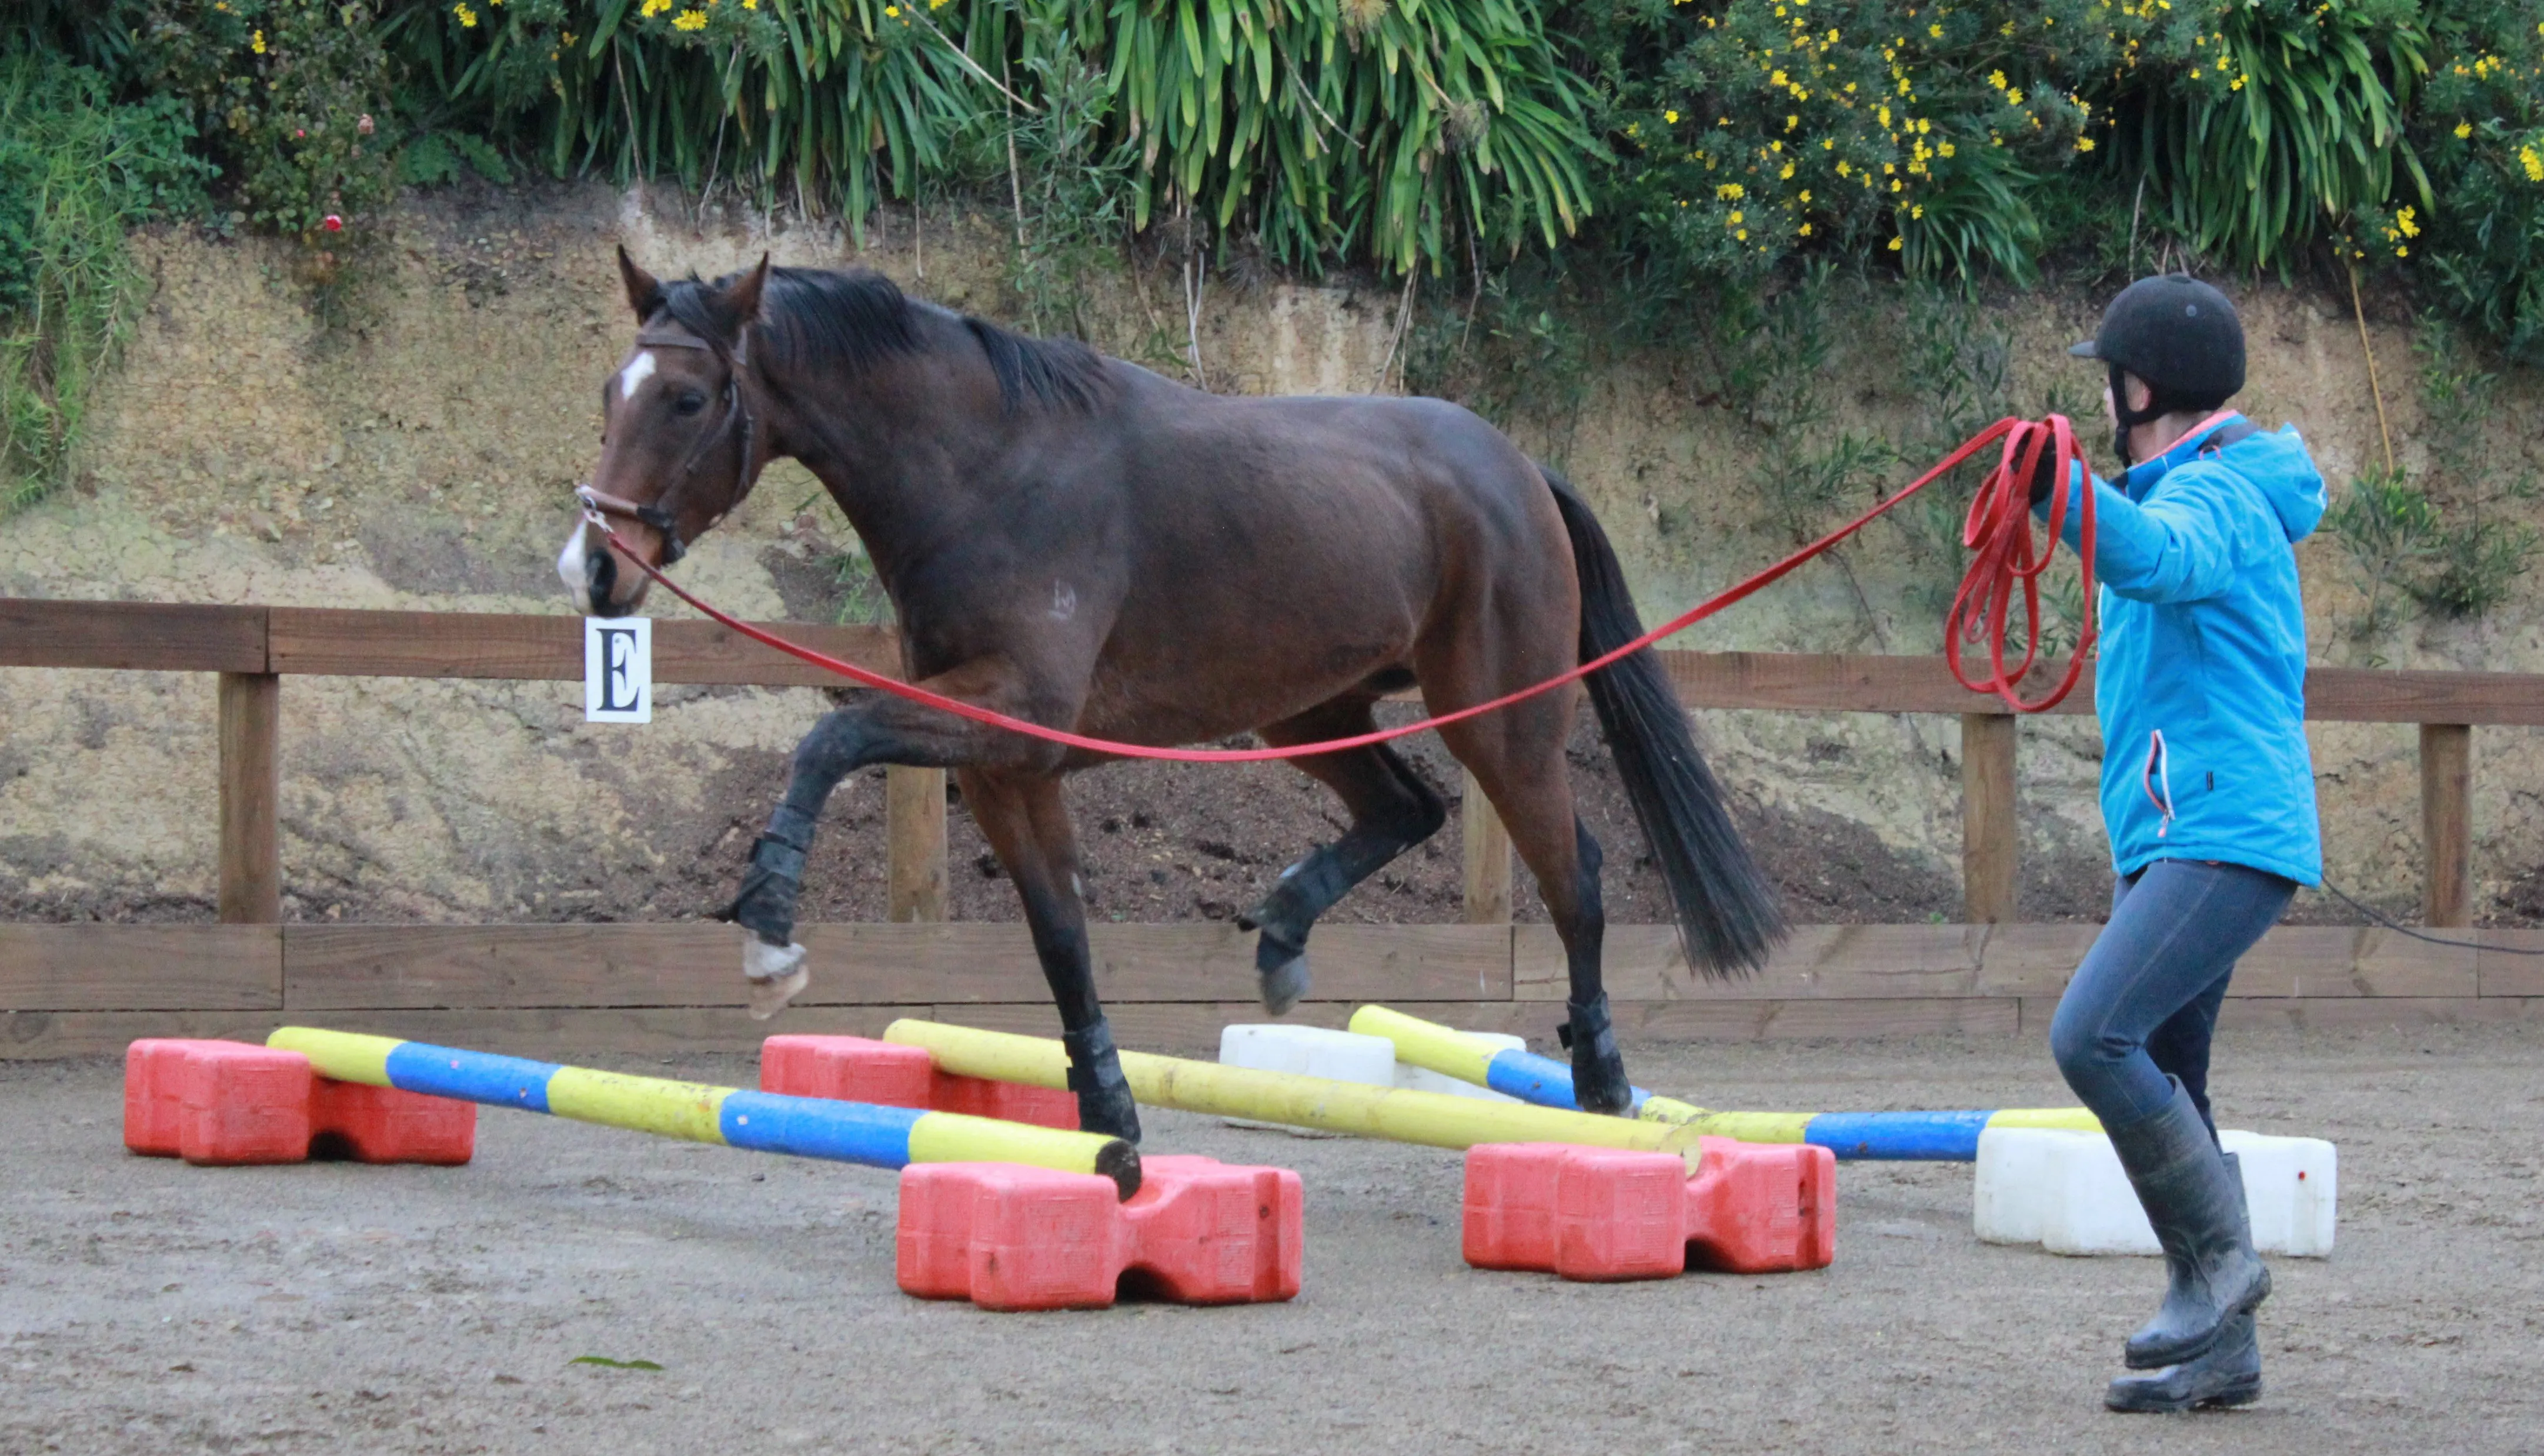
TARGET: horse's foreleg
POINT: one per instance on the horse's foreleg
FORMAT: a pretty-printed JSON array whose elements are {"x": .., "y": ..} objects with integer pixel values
[
  {"x": 875, "y": 729},
  {"x": 1026, "y": 823},
  {"x": 1392, "y": 810}
]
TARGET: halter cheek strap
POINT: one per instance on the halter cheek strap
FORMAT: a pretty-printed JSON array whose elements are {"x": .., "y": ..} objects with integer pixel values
[{"x": 599, "y": 506}]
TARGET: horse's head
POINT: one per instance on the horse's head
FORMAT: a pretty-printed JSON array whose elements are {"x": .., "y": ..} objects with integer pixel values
[{"x": 678, "y": 448}]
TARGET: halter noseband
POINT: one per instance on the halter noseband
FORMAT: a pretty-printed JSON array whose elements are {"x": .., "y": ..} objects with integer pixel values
[{"x": 596, "y": 506}]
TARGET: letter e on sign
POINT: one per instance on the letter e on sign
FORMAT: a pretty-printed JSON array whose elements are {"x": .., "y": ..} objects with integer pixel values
[{"x": 618, "y": 670}]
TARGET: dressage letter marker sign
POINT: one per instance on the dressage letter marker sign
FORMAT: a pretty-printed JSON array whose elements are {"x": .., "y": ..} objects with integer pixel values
[{"x": 618, "y": 670}]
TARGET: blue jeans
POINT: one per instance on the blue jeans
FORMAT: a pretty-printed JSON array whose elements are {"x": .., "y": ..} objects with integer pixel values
[{"x": 2144, "y": 1004}]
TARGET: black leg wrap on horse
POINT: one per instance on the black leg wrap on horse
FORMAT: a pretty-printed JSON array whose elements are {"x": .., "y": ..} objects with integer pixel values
[
  {"x": 1104, "y": 1101},
  {"x": 2193, "y": 1195},
  {"x": 2227, "y": 1373},
  {"x": 1599, "y": 1082},
  {"x": 766, "y": 905}
]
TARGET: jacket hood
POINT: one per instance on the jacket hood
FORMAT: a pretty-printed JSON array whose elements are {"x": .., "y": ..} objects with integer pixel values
[{"x": 2275, "y": 461}]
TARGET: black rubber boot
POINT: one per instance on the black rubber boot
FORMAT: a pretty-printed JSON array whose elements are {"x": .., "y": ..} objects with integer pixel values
[
  {"x": 2193, "y": 1195},
  {"x": 1104, "y": 1103},
  {"x": 2227, "y": 1373},
  {"x": 1599, "y": 1082}
]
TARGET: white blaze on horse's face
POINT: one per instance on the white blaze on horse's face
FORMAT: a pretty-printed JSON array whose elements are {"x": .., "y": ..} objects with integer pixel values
[
  {"x": 638, "y": 370},
  {"x": 574, "y": 565}
]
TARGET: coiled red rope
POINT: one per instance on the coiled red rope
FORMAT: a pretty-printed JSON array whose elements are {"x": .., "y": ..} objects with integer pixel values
[
  {"x": 2007, "y": 558},
  {"x": 1999, "y": 529}
]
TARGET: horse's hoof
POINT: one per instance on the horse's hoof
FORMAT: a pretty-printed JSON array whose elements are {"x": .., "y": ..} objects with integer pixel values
[
  {"x": 1109, "y": 1110},
  {"x": 1284, "y": 984},
  {"x": 1599, "y": 1082},
  {"x": 774, "y": 975}
]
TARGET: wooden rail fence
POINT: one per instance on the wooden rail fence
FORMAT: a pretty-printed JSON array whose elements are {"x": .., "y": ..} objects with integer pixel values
[{"x": 81, "y": 987}]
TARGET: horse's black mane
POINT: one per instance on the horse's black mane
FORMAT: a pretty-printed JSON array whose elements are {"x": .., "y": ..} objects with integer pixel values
[{"x": 810, "y": 315}]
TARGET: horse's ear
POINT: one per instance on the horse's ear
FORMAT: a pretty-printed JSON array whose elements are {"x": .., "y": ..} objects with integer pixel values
[
  {"x": 738, "y": 307},
  {"x": 644, "y": 292}
]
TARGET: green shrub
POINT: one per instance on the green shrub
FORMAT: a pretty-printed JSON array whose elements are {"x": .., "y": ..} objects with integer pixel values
[
  {"x": 2482, "y": 124},
  {"x": 75, "y": 172},
  {"x": 285, "y": 94},
  {"x": 1760, "y": 130},
  {"x": 2287, "y": 119}
]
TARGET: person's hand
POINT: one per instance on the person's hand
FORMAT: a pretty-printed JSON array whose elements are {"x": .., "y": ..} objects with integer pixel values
[{"x": 2045, "y": 473}]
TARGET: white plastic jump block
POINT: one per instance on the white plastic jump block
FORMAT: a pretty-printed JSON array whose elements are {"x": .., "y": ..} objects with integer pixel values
[
  {"x": 1345, "y": 1056},
  {"x": 2066, "y": 1191}
]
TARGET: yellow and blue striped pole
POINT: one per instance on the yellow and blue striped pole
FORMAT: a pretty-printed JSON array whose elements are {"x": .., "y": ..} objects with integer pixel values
[
  {"x": 1433, "y": 1118},
  {"x": 807, "y": 1127},
  {"x": 1921, "y": 1137}
]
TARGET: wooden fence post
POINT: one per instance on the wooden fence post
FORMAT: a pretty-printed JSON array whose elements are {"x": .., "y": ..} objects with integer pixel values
[
  {"x": 2446, "y": 823},
  {"x": 1988, "y": 827},
  {"x": 1488, "y": 859},
  {"x": 914, "y": 814},
  {"x": 251, "y": 882}
]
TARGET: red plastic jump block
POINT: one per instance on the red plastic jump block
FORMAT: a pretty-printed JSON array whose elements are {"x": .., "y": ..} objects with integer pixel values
[
  {"x": 1600, "y": 1213},
  {"x": 226, "y": 1102},
  {"x": 858, "y": 1070},
  {"x": 1008, "y": 1236}
]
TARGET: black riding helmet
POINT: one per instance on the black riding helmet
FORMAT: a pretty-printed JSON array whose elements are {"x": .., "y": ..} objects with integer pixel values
[{"x": 2179, "y": 335}]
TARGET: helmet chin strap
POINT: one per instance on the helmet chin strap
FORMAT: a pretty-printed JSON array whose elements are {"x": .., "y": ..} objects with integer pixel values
[{"x": 2128, "y": 419}]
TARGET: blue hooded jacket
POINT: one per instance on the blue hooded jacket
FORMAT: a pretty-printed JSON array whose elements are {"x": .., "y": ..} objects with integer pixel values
[{"x": 2200, "y": 681}]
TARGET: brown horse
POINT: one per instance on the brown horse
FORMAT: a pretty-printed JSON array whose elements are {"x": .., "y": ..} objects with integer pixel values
[{"x": 1076, "y": 542}]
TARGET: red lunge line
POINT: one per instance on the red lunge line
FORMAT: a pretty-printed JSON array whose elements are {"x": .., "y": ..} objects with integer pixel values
[{"x": 1999, "y": 528}]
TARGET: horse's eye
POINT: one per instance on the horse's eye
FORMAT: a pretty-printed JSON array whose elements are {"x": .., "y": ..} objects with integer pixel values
[{"x": 690, "y": 402}]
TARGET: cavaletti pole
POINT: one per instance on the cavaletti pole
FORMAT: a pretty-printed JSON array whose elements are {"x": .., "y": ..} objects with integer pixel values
[
  {"x": 1919, "y": 1137},
  {"x": 1436, "y": 1119},
  {"x": 807, "y": 1127}
]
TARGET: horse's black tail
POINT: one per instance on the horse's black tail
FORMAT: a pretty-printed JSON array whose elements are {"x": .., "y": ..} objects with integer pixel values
[{"x": 1727, "y": 915}]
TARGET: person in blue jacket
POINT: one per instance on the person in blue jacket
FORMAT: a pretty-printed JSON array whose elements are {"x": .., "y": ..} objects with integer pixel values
[{"x": 2207, "y": 793}]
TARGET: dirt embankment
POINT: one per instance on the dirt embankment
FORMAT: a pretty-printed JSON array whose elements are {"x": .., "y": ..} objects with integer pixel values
[{"x": 422, "y": 462}]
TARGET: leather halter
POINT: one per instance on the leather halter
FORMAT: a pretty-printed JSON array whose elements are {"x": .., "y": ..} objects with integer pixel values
[{"x": 599, "y": 506}]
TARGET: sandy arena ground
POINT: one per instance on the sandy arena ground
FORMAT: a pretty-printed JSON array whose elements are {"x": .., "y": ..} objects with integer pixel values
[{"x": 150, "y": 1307}]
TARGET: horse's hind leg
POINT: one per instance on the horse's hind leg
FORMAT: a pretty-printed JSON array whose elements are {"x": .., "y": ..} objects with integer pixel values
[
  {"x": 1391, "y": 811},
  {"x": 1517, "y": 758},
  {"x": 1027, "y": 825}
]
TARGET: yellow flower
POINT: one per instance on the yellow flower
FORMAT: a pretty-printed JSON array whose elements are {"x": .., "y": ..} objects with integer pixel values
[
  {"x": 2404, "y": 220},
  {"x": 1806, "y": 195},
  {"x": 256, "y": 43},
  {"x": 2463, "y": 129},
  {"x": 1803, "y": 231},
  {"x": 2532, "y": 162},
  {"x": 1935, "y": 31},
  {"x": 1997, "y": 79},
  {"x": 1736, "y": 217},
  {"x": 1742, "y": 235},
  {"x": 2402, "y": 252},
  {"x": 2084, "y": 143},
  {"x": 1943, "y": 148},
  {"x": 1729, "y": 191},
  {"x": 467, "y": 17},
  {"x": 1669, "y": 117},
  {"x": 690, "y": 19},
  {"x": 653, "y": 8},
  {"x": 1883, "y": 113},
  {"x": 1841, "y": 168},
  {"x": 1894, "y": 245},
  {"x": 1777, "y": 79},
  {"x": 1917, "y": 212},
  {"x": 2014, "y": 94}
]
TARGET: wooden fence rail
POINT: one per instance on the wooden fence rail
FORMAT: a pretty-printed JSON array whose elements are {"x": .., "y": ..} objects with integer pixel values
[{"x": 253, "y": 648}]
